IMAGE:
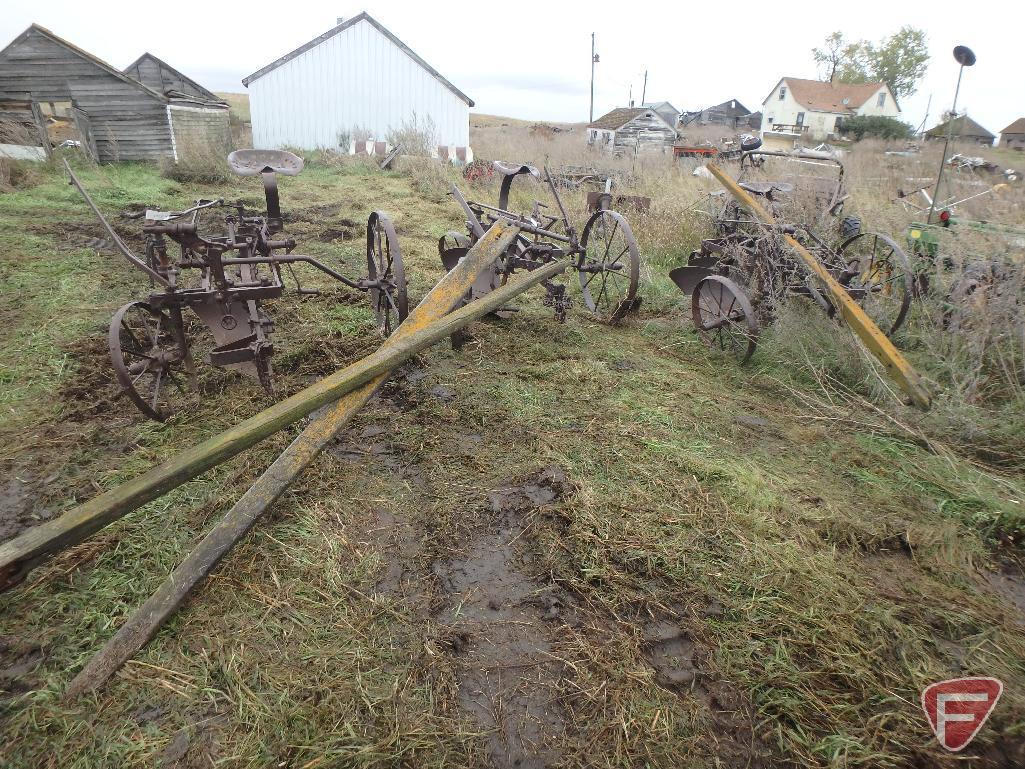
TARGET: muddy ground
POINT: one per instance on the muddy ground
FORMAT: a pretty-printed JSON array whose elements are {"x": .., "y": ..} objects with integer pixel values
[{"x": 562, "y": 545}]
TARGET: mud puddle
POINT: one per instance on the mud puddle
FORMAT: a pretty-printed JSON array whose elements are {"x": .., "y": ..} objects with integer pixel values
[
  {"x": 681, "y": 664},
  {"x": 499, "y": 627}
]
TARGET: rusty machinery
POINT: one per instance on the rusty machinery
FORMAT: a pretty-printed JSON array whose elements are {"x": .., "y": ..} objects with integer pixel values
[
  {"x": 604, "y": 255},
  {"x": 738, "y": 276},
  {"x": 224, "y": 279}
]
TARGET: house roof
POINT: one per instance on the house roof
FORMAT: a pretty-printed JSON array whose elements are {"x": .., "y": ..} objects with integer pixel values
[
  {"x": 1017, "y": 127},
  {"x": 164, "y": 65},
  {"x": 364, "y": 16},
  {"x": 963, "y": 126},
  {"x": 823, "y": 96},
  {"x": 95, "y": 60}
]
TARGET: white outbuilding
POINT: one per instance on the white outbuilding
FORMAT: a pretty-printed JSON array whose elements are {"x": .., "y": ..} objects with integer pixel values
[{"x": 353, "y": 89}]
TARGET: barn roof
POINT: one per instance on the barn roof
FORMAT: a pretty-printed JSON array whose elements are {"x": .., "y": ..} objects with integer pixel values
[
  {"x": 823, "y": 96},
  {"x": 732, "y": 108},
  {"x": 364, "y": 16},
  {"x": 963, "y": 126},
  {"x": 1017, "y": 127},
  {"x": 164, "y": 65},
  {"x": 94, "y": 60}
]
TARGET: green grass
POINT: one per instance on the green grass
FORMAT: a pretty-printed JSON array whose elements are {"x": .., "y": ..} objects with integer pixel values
[{"x": 845, "y": 557}]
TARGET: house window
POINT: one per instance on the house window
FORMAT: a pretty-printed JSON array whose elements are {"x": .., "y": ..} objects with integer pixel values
[
  {"x": 882, "y": 100},
  {"x": 800, "y": 118},
  {"x": 782, "y": 93},
  {"x": 770, "y": 119}
]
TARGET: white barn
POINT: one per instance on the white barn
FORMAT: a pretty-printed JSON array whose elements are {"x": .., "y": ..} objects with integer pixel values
[{"x": 356, "y": 81}]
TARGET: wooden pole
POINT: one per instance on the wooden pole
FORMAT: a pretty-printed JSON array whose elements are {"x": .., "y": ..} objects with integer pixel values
[
  {"x": 143, "y": 624},
  {"x": 875, "y": 340},
  {"x": 27, "y": 550}
]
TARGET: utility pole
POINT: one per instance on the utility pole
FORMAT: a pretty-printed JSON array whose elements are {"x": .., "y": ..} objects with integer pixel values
[
  {"x": 644, "y": 92},
  {"x": 594, "y": 60},
  {"x": 966, "y": 58}
]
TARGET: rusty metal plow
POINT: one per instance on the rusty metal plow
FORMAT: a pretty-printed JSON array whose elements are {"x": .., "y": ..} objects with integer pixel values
[
  {"x": 722, "y": 311},
  {"x": 224, "y": 279},
  {"x": 344, "y": 392}
]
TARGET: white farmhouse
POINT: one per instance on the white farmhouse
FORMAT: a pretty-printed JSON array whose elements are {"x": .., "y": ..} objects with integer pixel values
[
  {"x": 352, "y": 88},
  {"x": 799, "y": 109}
]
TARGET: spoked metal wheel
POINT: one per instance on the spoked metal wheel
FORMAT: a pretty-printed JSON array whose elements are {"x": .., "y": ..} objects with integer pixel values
[
  {"x": 384, "y": 264},
  {"x": 151, "y": 358},
  {"x": 724, "y": 318},
  {"x": 878, "y": 277},
  {"x": 610, "y": 266}
]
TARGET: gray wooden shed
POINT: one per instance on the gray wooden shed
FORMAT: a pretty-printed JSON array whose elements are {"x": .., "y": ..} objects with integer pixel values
[
  {"x": 114, "y": 115},
  {"x": 635, "y": 129}
]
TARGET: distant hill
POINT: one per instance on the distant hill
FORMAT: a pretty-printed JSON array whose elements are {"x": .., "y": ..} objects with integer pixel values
[
  {"x": 239, "y": 105},
  {"x": 480, "y": 120}
]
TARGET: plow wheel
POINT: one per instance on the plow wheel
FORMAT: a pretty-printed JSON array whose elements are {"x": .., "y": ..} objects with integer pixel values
[
  {"x": 724, "y": 317},
  {"x": 610, "y": 266},
  {"x": 151, "y": 358},
  {"x": 384, "y": 264},
  {"x": 878, "y": 278}
]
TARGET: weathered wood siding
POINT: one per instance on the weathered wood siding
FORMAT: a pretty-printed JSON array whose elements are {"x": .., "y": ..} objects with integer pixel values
[
  {"x": 200, "y": 132},
  {"x": 645, "y": 133},
  {"x": 128, "y": 122},
  {"x": 160, "y": 78},
  {"x": 1013, "y": 141}
]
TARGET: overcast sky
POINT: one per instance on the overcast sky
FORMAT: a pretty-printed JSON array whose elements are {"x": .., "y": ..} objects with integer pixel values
[{"x": 531, "y": 59}]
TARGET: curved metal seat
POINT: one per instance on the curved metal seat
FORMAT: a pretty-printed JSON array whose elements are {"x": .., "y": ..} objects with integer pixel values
[
  {"x": 508, "y": 169},
  {"x": 256, "y": 162}
]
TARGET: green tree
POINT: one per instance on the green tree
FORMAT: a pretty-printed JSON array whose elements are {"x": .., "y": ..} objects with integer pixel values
[{"x": 899, "y": 60}]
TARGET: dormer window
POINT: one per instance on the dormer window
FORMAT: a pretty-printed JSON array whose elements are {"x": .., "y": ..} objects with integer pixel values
[
  {"x": 882, "y": 100},
  {"x": 782, "y": 93}
]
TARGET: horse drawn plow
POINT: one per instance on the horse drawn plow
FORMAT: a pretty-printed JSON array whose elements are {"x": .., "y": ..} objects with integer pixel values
[
  {"x": 224, "y": 279},
  {"x": 739, "y": 276},
  {"x": 604, "y": 255}
]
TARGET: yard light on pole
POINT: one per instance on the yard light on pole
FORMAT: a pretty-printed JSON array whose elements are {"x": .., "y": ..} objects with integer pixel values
[
  {"x": 594, "y": 60},
  {"x": 964, "y": 56}
]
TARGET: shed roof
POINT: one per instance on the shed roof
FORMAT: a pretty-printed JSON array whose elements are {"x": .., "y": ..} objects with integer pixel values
[
  {"x": 620, "y": 116},
  {"x": 364, "y": 16},
  {"x": 94, "y": 60},
  {"x": 823, "y": 96},
  {"x": 659, "y": 105},
  {"x": 1017, "y": 127},
  {"x": 163, "y": 64},
  {"x": 963, "y": 126}
]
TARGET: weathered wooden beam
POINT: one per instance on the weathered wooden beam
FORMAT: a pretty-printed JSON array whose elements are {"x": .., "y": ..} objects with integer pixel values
[
  {"x": 144, "y": 623},
  {"x": 896, "y": 365},
  {"x": 28, "y": 549}
]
